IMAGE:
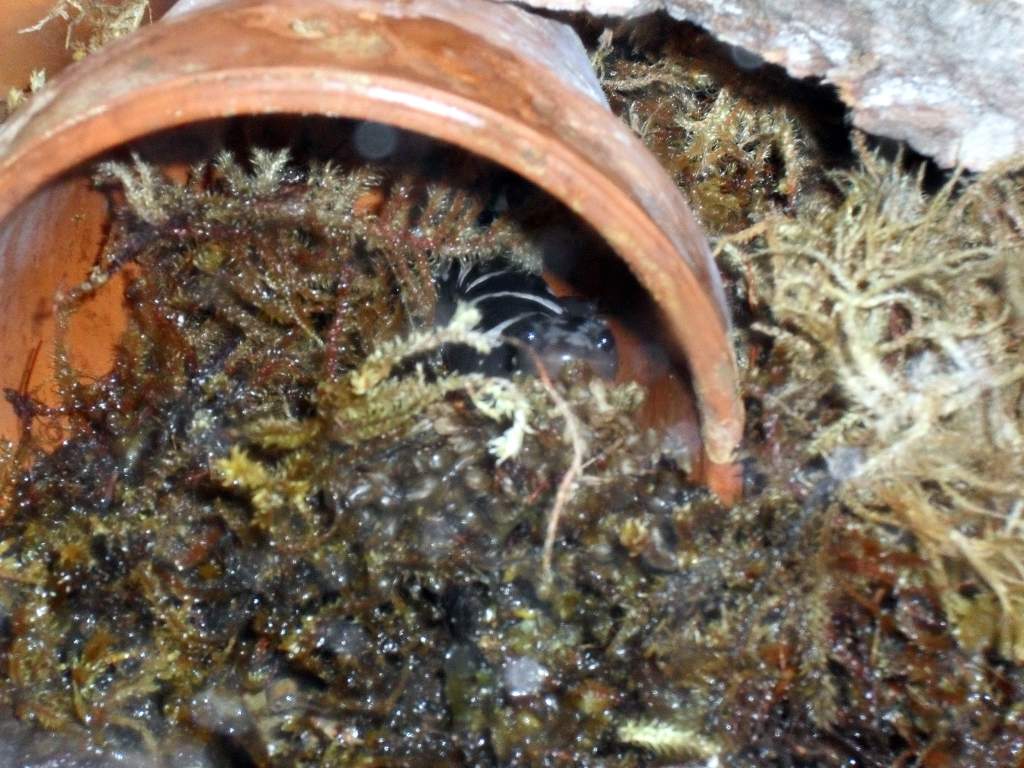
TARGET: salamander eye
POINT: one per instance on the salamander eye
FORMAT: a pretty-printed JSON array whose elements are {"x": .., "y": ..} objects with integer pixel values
[
  {"x": 529, "y": 334},
  {"x": 605, "y": 341}
]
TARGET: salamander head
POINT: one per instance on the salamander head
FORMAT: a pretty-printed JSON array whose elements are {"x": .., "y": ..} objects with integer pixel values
[
  {"x": 559, "y": 341},
  {"x": 519, "y": 306}
]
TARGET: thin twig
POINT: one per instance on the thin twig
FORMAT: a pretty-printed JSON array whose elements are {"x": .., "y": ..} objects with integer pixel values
[{"x": 568, "y": 482}]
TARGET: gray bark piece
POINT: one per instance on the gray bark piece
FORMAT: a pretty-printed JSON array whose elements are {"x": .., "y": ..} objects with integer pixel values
[{"x": 947, "y": 76}]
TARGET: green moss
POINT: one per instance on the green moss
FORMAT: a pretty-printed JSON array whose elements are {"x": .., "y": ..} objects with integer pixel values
[
  {"x": 740, "y": 145},
  {"x": 280, "y": 527}
]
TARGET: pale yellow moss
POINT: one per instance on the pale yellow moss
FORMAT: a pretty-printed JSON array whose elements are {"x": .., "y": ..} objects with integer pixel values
[
  {"x": 666, "y": 739},
  {"x": 103, "y": 21},
  {"x": 907, "y": 304}
]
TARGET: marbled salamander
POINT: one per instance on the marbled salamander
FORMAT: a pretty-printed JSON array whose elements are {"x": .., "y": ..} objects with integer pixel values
[{"x": 520, "y": 305}]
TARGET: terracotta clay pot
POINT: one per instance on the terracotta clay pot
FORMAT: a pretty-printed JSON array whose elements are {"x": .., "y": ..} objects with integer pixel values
[
  {"x": 493, "y": 79},
  {"x": 40, "y": 49},
  {"x": 24, "y": 53}
]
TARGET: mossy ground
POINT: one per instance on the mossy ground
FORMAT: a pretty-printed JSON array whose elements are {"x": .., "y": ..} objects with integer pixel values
[
  {"x": 879, "y": 326},
  {"x": 236, "y": 555}
]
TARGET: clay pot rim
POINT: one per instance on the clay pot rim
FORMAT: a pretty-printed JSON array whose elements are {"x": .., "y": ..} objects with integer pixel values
[{"x": 54, "y": 139}]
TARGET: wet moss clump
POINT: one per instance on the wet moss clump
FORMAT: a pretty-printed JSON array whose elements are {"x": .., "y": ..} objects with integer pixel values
[{"x": 280, "y": 532}]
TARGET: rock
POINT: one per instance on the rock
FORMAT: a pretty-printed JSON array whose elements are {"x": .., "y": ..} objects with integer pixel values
[{"x": 942, "y": 75}]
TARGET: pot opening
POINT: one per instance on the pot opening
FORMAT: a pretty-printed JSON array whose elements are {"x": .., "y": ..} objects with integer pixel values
[{"x": 52, "y": 244}]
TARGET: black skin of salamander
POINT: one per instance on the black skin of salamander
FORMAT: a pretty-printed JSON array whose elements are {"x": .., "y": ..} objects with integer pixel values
[{"x": 578, "y": 333}]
